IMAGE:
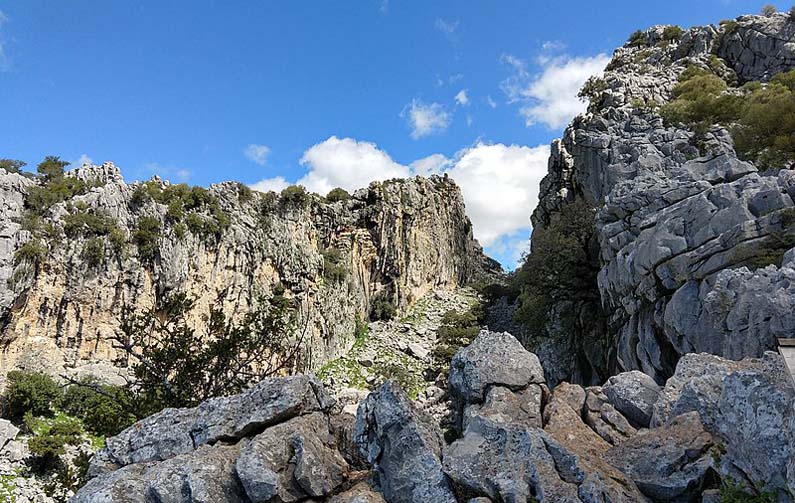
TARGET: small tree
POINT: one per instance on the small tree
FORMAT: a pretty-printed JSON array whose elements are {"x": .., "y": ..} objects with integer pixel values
[
  {"x": 176, "y": 365},
  {"x": 337, "y": 194},
  {"x": 768, "y": 10},
  {"x": 12, "y": 165},
  {"x": 52, "y": 167},
  {"x": 31, "y": 392}
]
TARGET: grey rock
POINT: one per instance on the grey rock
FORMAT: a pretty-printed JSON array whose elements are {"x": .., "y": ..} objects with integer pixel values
[
  {"x": 668, "y": 463},
  {"x": 418, "y": 350},
  {"x": 290, "y": 461},
  {"x": 604, "y": 419},
  {"x": 8, "y": 432},
  {"x": 203, "y": 476},
  {"x": 403, "y": 446},
  {"x": 633, "y": 394},
  {"x": 505, "y": 406},
  {"x": 492, "y": 359},
  {"x": 271, "y": 401}
]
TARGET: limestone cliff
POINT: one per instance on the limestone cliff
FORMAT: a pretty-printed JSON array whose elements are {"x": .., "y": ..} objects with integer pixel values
[
  {"x": 680, "y": 216},
  {"x": 393, "y": 241}
]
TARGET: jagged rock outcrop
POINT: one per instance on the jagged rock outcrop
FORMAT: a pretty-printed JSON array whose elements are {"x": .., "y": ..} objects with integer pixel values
[
  {"x": 281, "y": 441},
  {"x": 679, "y": 214},
  {"x": 393, "y": 241}
]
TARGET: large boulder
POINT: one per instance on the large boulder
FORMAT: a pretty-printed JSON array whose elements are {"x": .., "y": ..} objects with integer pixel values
[
  {"x": 672, "y": 462},
  {"x": 604, "y": 419},
  {"x": 404, "y": 447},
  {"x": 633, "y": 394},
  {"x": 493, "y": 359},
  {"x": 291, "y": 461},
  {"x": 497, "y": 378},
  {"x": 179, "y": 431},
  {"x": 206, "y": 475}
]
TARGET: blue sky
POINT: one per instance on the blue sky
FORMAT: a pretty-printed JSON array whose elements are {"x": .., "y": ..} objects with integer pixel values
[{"x": 326, "y": 93}]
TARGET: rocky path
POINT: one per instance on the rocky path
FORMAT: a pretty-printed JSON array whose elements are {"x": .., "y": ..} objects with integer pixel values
[{"x": 401, "y": 349}]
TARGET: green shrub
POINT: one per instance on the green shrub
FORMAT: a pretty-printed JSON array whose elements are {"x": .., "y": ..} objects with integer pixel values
[
  {"x": 699, "y": 101},
  {"x": 32, "y": 252},
  {"x": 94, "y": 252},
  {"x": 117, "y": 240},
  {"x": 334, "y": 270},
  {"x": 672, "y": 33},
  {"x": 105, "y": 410},
  {"x": 52, "y": 167},
  {"x": 244, "y": 193},
  {"x": 592, "y": 91},
  {"x": 83, "y": 223},
  {"x": 295, "y": 196},
  {"x": 637, "y": 39},
  {"x": 383, "y": 310},
  {"x": 729, "y": 26},
  {"x": 146, "y": 237},
  {"x": 768, "y": 10},
  {"x": 791, "y": 13},
  {"x": 733, "y": 492},
  {"x": 456, "y": 330},
  {"x": 12, "y": 165},
  {"x": 54, "y": 190},
  {"x": 338, "y": 194},
  {"x": 31, "y": 392},
  {"x": 48, "y": 445},
  {"x": 765, "y": 132},
  {"x": 560, "y": 267}
]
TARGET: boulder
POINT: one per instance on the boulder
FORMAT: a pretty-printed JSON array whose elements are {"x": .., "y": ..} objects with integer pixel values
[
  {"x": 673, "y": 462},
  {"x": 290, "y": 461},
  {"x": 604, "y": 419},
  {"x": 403, "y": 445},
  {"x": 633, "y": 394},
  {"x": 504, "y": 406},
  {"x": 8, "y": 432},
  {"x": 271, "y": 401},
  {"x": 205, "y": 475},
  {"x": 492, "y": 359}
]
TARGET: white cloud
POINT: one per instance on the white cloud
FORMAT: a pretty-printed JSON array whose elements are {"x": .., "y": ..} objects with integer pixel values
[
  {"x": 341, "y": 162},
  {"x": 384, "y": 7},
  {"x": 490, "y": 102},
  {"x": 461, "y": 98},
  {"x": 276, "y": 184},
  {"x": 470, "y": 120},
  {"x": 551, "y": 97},
  {"x": 257, "y": 153},
  {"x": 83, "y": 159},
  {"x": 500, "y": 186},
  {"x": 499, "y": 182},
  {"x": 3, "y": 57},
  {"x": 425, "y": 119},
  {"x": 172, "y": 173},
  {"x": 447, "y": 27}
]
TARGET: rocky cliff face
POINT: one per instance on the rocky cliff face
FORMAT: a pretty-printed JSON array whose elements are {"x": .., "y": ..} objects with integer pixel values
[
  {"x": 393, "y": 241},
  {"x": 680, "y": 216}
]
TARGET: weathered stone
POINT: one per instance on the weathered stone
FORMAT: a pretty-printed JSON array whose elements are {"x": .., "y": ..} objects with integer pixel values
[
  {"x": 291, "y": 461},
  {"x": 672, "y": 462},
  {"x": 633, "y": 394},
  {"x": 360, "y": 493},
  {"x": 8, "y": 432},
  {"x": 504, "y": 406},
  {"x": 202, "y": 476},
  {"x": 403, "y": 446},
  {"x": 493, "y": 359},
  {"x": 271, "y": 401}
]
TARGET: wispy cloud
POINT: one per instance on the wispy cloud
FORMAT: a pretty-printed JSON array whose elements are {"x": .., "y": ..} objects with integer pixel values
[
  {"x": 257, "y": 154},
  {"x": 490, "y": 102},
  {"x": 426, "y": 118},
  {"x": 446, "y": 27},
  {"x": 461, "y": 98},
  {"x": 4, "y": 64},
  {"x": 173, "y": 173},
  {"x": 550, "y": 96}
]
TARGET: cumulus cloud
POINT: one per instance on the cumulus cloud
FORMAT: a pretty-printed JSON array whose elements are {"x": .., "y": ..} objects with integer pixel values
[
  {"x": 276, "y": 184},
  {"x": 500, "y": 186},
  {"x": 257, "y": 154},
  {"x": 499, "y": 182},
  {"x": 425, "y": 119},
  {"x": 461, "y": 98},
  {"x": 550, "y": 98},
  {"x": 341, "y": 162}
]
